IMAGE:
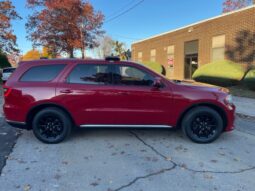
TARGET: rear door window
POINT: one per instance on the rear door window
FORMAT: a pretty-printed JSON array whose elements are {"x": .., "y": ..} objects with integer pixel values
[
  {"x": 43, "y": 73},
  {"x": 91, "y": 74}
]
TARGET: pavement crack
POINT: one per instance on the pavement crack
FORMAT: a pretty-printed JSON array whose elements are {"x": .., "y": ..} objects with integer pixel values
[
  {"x": 145, "y": 177},
  {"x": 175, "y": 164},
  {"x": 148, "y": 145}
]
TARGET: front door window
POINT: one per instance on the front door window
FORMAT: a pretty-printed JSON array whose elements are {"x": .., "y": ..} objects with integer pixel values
[{"x": 131, "y": 76}]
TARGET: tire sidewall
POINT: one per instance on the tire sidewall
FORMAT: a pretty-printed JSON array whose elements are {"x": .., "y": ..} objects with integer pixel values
[
  {"x": 56, "y": 112},
  {"x": 189, "y": 117}
]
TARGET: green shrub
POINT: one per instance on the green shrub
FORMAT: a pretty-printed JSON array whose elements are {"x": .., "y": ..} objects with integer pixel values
[
  {"x": 154, "y": 66},
  {"x": 222, "y": 73},
  {"x": 249, "y": 79},
  {"x": 4, "y": 61}
]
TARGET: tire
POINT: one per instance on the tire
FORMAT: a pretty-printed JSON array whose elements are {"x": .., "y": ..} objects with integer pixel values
[
  {"x": 202, "y": 124},
  {"x": 51, "y": 125}
]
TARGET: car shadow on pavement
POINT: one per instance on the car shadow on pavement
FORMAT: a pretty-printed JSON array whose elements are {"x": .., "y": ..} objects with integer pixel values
[
  {"x": 119, "y": 132},
  {"x": 8, "y": 137}
]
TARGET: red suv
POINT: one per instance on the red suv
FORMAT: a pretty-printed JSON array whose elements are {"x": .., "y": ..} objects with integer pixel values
[{"x": 52, "y": 96}]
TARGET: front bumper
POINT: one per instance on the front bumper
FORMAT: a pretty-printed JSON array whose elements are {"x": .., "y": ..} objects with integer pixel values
[{"x": 230, "y": 114}]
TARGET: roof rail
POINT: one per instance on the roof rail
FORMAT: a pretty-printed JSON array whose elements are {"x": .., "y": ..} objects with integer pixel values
[{"x": 112, "y": 58}]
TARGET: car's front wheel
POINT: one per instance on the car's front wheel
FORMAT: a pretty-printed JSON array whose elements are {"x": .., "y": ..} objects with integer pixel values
[
  {"x": 202, "y": 124},
  {"x": 51, "y": 125}
]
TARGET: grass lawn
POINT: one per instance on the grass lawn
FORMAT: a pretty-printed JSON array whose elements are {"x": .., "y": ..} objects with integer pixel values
[{"x": 242, "y": 91}]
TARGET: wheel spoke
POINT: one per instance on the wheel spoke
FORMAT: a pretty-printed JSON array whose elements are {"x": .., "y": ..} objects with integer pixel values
[
  {"x": 50, "y": 127},
  {"x": 204, "y": 126}
]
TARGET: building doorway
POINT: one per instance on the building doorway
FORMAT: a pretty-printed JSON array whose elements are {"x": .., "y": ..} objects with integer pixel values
[
  {"x": 190, "y": 65},
  {"x": 190, "y": 59}
]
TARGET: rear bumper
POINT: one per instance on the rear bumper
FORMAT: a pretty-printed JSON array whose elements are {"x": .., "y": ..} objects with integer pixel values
[
  {"x": 14, "y": 115},
  {"x": 16, "y": 124}
]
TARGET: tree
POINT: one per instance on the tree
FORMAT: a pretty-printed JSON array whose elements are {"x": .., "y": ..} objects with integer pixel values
[
  {"x": 121, "y": 51},
  {"x": 4, "y": 61},
  {"x": 32, "y": 55},
  {"x": 243, "y": 50},
  {"x": 231, "y": 5},
  {"x": 46, "y": 53},
  {"x": 105, "y": 48},
  {"x": 14, "y": 58},
  {"x": 64, "y": 25},
  {"x": 7, "y": 38}
]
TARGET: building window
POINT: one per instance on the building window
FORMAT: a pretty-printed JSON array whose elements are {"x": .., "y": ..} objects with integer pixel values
[
  {"x": 218, "y": 48},
  {"x": 170, "y": 56},
  {"x": 153, "y": 55},
  {"x": 140, "y": 57}
]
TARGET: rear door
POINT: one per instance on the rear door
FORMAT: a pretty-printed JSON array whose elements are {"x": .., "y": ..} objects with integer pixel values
[{"x": 88, "y": 94}]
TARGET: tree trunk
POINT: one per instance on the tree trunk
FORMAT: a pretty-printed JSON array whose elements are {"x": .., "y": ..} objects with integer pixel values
[
  {"x": 83, "y": 52},
  {"x": 71, "y": 54},
  {"x": 248, "y": 68}
]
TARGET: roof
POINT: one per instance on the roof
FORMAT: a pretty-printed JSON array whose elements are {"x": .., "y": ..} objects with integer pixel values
[
  {"x": 193, "y": 24},
  {"x": 67, "y": 61},
  {"x": 60, "y": 60}
]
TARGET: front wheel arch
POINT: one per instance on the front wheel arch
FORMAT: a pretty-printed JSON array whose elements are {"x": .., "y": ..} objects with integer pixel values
[
  {"x": 210, "y": 105},
  {"x": 34, "y": 110}
]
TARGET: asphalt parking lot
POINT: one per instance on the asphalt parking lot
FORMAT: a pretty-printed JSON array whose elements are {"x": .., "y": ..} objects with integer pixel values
[{"x": 135, "y": 160}]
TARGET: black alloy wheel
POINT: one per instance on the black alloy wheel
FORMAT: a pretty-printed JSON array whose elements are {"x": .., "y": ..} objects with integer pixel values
[
  {"x": 202, "y": 124},
  {"x": 51, "y": 125}
]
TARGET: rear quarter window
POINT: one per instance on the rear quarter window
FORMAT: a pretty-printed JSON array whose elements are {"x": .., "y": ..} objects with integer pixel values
[{"x": 43, "y": 73}]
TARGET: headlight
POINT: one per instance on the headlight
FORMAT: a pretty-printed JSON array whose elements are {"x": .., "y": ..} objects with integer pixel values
[{"x": 229, "y": 100}]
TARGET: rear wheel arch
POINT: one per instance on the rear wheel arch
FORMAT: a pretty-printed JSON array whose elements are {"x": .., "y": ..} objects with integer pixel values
[
  {"x": 34, "y": 110},
  {"x": 210, "y": 105}
]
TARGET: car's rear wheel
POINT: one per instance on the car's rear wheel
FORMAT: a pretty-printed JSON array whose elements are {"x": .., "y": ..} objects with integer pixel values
[
  {"x": 202, "y": 124},
  {"x": 51, "y": 125}
]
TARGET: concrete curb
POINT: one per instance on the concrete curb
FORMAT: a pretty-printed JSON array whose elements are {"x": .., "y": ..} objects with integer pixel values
[{"x": 244, "y": 116}]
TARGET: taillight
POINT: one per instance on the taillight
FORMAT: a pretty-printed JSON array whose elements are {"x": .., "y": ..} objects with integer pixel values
[{"x": 7, "y": 91}]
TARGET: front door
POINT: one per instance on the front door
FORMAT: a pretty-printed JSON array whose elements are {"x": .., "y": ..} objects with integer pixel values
[
  {"x": 138, "y": 102},
  {"x": 191, "y": 65}
]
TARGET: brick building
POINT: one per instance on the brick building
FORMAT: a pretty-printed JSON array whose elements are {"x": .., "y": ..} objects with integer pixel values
[{"x": 228, "y": 36}]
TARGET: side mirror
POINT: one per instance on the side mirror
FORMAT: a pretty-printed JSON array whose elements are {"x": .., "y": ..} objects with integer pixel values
[{"x": 157, "y": 83}]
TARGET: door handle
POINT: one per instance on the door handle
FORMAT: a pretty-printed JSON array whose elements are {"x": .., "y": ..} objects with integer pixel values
[{"x": 66, "y": 91}]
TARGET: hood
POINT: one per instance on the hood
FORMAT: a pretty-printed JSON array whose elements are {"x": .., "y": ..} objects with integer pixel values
[{"x": 200, "y": 86}]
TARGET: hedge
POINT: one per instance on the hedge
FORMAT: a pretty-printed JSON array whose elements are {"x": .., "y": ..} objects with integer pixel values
[
  {"x": 222, "y": 73},
  {"x": 154, "y": 66},
  {"x": 249, "y": 79}
]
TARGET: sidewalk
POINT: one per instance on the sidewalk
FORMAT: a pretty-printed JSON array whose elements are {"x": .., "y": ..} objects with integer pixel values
[{"x": 245, "y": 106}]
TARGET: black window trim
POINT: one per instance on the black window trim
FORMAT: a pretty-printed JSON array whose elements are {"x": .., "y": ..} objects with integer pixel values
[
  {"x": 20, "y": 81},
  {"x": 112, "y": 68}
]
